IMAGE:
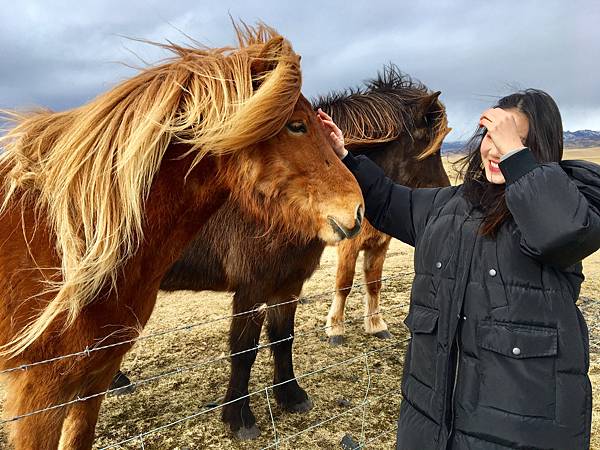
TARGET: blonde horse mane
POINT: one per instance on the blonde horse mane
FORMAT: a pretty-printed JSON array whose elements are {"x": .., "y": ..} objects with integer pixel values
[
  {"x": 381, "y": 111},
  {"x": 90, "y": 168}
]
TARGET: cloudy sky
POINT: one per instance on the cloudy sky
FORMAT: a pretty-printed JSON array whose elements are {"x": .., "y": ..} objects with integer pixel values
[{"x": 59, "y": 53}]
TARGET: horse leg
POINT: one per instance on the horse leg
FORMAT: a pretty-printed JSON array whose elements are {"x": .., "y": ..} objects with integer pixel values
[
  {"x": 280, "y": 326},
  {"x": 80, "y": 421},
  {"x": 347, "y": 255},
  {"x": 32, "y": 390},
  {"x": 373, "y": 268},
  {"x": 244, "y": 335}
]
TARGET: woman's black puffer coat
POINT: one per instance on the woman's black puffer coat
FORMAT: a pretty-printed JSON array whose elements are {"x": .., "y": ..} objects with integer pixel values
[{"x": 499, "y": 352}]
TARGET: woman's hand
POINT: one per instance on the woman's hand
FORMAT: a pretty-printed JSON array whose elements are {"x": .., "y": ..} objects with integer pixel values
[
  {"x": 335, "y": 135},
  {"x": 502, "y": 129}
]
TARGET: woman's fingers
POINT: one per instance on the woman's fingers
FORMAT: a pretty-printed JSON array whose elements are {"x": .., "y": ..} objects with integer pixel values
[
  {"x": 485, "y": 122},
  {"x": 338, "y": 138},
  {"x": 497, "y": 115},
  {"x": 323, "y": 114},
  {"x": 330, "y": 124},
  {"x": 335, "y": 135},
  {"x": 490, "y": 114},
  {"x": 324, "y": 117},
  {"x": 333, "y": 127},
  {"x": 325, "y": 123}
]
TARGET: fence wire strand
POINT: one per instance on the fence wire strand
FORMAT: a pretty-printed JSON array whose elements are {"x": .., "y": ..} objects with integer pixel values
[
  {"x": 364, "y": 411},
  {"x": 259, "y": 309},
  {"x": 275, "y": 436},
  {"x": 189, "y": 367}
]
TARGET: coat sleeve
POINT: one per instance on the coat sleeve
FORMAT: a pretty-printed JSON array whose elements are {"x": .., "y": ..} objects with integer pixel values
[
  {"x": 558, "y": 224},
  {"x": 394, "y": 209}
]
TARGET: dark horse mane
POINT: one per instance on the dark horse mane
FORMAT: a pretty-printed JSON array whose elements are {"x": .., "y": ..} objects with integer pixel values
[{"x": 381, "y": 110}]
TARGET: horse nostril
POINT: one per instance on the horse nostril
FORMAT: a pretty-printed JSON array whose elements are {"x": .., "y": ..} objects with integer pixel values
[
  {"x": 342, "y": 231},
  {"x": 360, "y": 211}
]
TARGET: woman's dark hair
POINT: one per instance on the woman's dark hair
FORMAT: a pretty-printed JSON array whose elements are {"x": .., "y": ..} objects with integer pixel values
[{"x": 544, "y": 139}]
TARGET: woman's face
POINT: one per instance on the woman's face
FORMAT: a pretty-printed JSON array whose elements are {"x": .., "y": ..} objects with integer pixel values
[{"x": 490, "y": 156}]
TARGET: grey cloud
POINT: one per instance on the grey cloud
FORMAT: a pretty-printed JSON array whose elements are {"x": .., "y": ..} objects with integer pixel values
[{"x": 63, "y": 53}]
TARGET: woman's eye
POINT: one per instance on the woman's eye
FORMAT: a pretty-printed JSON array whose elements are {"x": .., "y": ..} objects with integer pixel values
[{"x": 296, "y": 127}]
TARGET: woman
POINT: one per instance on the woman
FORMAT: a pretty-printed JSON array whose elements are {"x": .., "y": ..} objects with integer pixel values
[{"x": 499, "y": 352}]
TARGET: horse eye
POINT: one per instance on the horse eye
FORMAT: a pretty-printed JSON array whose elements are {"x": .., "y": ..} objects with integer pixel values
[{"x": 296, "y": 127}]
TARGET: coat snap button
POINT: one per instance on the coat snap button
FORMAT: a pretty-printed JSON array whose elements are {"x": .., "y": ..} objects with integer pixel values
[
  {"x": 492, "y": 272},
  {"x": 438, "y": 265},
  {"x": 516, "y": 351}
]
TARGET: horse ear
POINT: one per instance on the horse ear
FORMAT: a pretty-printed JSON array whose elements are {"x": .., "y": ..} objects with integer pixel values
[
  {"x": 426, "y": 103},
  {"x": 266, "y": 60}
]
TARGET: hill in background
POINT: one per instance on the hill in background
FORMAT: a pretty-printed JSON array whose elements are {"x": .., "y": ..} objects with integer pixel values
[{"x": 581, "y": 139}]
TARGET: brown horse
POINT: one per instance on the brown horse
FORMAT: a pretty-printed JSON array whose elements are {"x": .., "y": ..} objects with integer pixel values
[
  {"x": 99, "y": 201},
  {"x": 403, "y": 165},
  {"x": 394, "y": 120}
]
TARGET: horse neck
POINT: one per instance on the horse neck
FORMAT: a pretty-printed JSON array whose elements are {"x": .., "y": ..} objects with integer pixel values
[
  {"x": 393, "y": 158},
  {"x": 176, "y": 208},
  {"x": 399, "y": 161}
]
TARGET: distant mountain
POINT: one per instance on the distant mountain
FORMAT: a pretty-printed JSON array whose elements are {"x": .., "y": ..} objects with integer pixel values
[
  {"x": 572, "y": 139},
  {"x": 581, "y": 139},
  {"x": 453, "y": 147}
]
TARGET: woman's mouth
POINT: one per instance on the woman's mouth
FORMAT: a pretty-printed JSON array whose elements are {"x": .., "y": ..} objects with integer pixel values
[{"x": 493, "y": 166}]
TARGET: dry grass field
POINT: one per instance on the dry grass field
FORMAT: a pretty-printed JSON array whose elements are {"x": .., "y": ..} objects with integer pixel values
[
  {"x": 589, "y": 154},
  {"x": 179, "y": 409}
]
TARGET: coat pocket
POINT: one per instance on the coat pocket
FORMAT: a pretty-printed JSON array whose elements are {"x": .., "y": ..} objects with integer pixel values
[
  {"x": 422, "y": 323},
  {"x": 518, "y": 368}
]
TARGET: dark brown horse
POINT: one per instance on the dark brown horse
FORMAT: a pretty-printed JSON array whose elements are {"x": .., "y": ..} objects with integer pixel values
[
  {"x": 404, "y": 167},
  {"x": 394, "y": 120},
  {"x": 98, "y": 202}
]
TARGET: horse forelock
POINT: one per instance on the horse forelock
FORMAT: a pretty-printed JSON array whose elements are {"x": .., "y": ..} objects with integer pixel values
[
  {"x": 91, "y": 167},
  {"x": 436, "y": 132}
]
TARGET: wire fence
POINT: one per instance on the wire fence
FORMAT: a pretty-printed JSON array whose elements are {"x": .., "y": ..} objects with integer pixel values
[
  {"x": 87, "y": 351},
  {"x": 260, "y": 309},
  {"x": 197, "y": 414}
]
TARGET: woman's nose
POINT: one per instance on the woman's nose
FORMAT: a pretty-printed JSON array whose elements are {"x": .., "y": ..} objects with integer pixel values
[{"x": 493, "y": 152}]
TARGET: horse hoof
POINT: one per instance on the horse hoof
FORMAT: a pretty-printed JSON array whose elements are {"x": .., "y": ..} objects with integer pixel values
[
  {"x": 336, "y": 340},
  {"x": 301, "y": 407},
  {"x": 385, "y": 334},
  {"x": 246, "y": 434},
  {"x": 121, "y": 385}
]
